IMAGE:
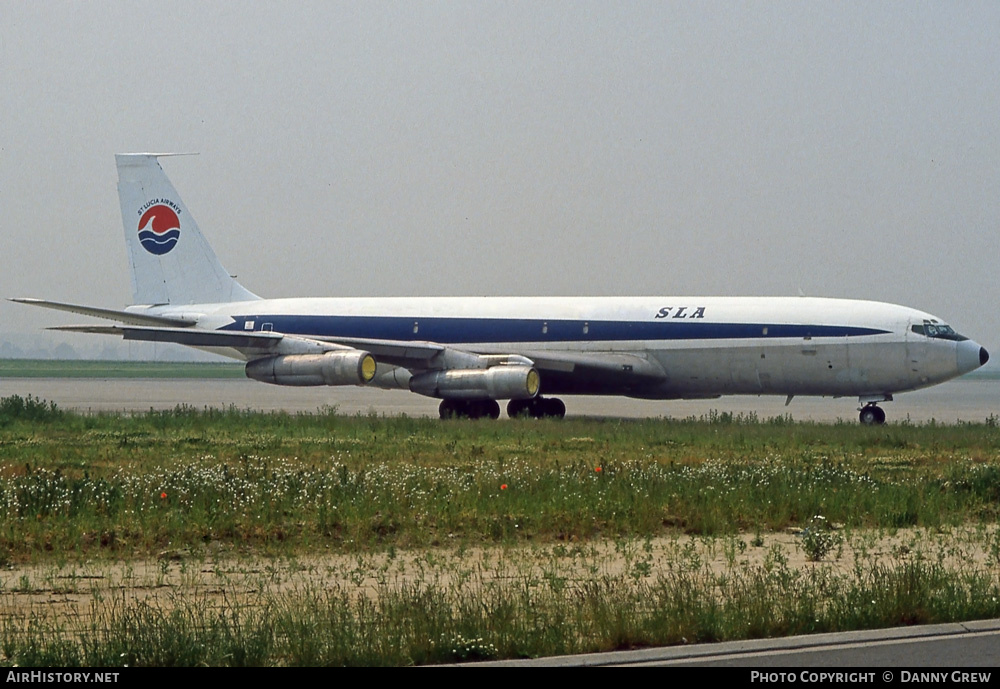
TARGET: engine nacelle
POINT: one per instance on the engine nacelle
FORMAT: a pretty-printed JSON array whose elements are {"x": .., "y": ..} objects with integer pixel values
[
  {"x": 351, "y": 367},
  {"x": 496, "y": 383},
  {"x": 392, "y": 377}
]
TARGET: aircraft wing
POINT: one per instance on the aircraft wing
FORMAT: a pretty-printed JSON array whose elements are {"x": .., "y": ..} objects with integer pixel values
[
  {"x": 620, "y": 366},
  {"x": 179, "y": 330},
  {"x": 395, "y": 352},
  {"x": 564, "y": 370},
  {"x": 262, "y": 343},
  {"x": 193, "y": 337},
  {"x": 130, "y": 317}
]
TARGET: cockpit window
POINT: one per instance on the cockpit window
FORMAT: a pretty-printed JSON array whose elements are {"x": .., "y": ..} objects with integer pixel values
[{"x": 938, "y": 331}]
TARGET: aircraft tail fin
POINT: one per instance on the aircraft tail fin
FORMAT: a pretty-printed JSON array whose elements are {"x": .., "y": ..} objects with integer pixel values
[{"x": 171, "y": 261}]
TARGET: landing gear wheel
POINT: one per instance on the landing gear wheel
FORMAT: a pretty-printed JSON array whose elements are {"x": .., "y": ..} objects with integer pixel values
[
  {"x": 448, "y": 409},
  {"x": 490, "y": 408},
  {"x": 469, "y": 409},
  {"x": 537, "y": 408},
  {"x": 516, "y": 408},
  {"x": 554, "y": 408},
  {"x": 872, "y": 415}
]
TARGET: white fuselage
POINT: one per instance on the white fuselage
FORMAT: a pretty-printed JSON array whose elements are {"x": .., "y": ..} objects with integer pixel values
[{"x": 705, "y": 346}]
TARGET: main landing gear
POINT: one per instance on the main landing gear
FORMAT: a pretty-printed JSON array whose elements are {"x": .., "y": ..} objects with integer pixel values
[
  {"x": 538, "y": 408},
  {"x": 469, "y": 409},
  {"x": 872, "y": 415}
]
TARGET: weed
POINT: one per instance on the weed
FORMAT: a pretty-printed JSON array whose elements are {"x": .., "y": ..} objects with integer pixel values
[{"x": 818, "y": 539}]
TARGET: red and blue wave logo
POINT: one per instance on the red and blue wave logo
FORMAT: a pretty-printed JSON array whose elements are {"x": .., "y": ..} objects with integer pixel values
[{"x": 159, "y": 229}]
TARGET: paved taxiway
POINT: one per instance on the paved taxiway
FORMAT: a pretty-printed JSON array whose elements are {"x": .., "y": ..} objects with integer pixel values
[
  {"x": 957, "y": 645},
  {"x": 968, "y": 399}
]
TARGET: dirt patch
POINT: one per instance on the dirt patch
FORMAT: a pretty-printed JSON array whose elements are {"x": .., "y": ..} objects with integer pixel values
[{"x": 72, "y": 594}]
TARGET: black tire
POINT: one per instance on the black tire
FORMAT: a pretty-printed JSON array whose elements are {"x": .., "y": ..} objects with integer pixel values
[
  {"x": 537, "y": 408},
  {"x": 490, "y": 408},
  {"x": 447, "y": 410},
  {"x": 516, "y": 408},
  {"x": 475, "y": 409},
  {"x": 872, "y": 415},
  {"x": 555, "y": 408}
]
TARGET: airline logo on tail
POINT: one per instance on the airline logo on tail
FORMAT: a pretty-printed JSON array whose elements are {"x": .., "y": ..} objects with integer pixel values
[{"x": 159, "y": 227}]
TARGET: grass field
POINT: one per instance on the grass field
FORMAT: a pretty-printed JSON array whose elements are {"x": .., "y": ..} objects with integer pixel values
[{"x": 531, "y": 537}]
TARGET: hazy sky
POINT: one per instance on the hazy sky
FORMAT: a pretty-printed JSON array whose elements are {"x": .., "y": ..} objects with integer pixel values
[{"x": 847, "y": 149}]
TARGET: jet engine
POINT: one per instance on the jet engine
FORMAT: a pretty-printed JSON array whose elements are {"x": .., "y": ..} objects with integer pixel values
[
  {"x": 499, "y": 382},
  {"x": 351, "y": 367}
]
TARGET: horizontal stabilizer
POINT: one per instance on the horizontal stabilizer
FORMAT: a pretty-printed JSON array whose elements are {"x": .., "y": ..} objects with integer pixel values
[{"x": 129, "y": 317}]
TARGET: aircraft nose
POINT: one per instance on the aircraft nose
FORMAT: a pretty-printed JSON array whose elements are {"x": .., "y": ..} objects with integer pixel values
[{"x": 970, "y": 356}]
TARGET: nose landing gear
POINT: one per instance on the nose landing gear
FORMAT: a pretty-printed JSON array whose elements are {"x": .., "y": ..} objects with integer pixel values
[{"x": 872, "y": 415}]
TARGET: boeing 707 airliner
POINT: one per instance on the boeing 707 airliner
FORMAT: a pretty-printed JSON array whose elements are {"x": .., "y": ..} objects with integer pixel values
[{"x": 471, "y": 353}]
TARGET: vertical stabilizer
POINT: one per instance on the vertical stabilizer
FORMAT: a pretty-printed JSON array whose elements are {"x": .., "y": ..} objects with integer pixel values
[{"x": 171, "y": 261}]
